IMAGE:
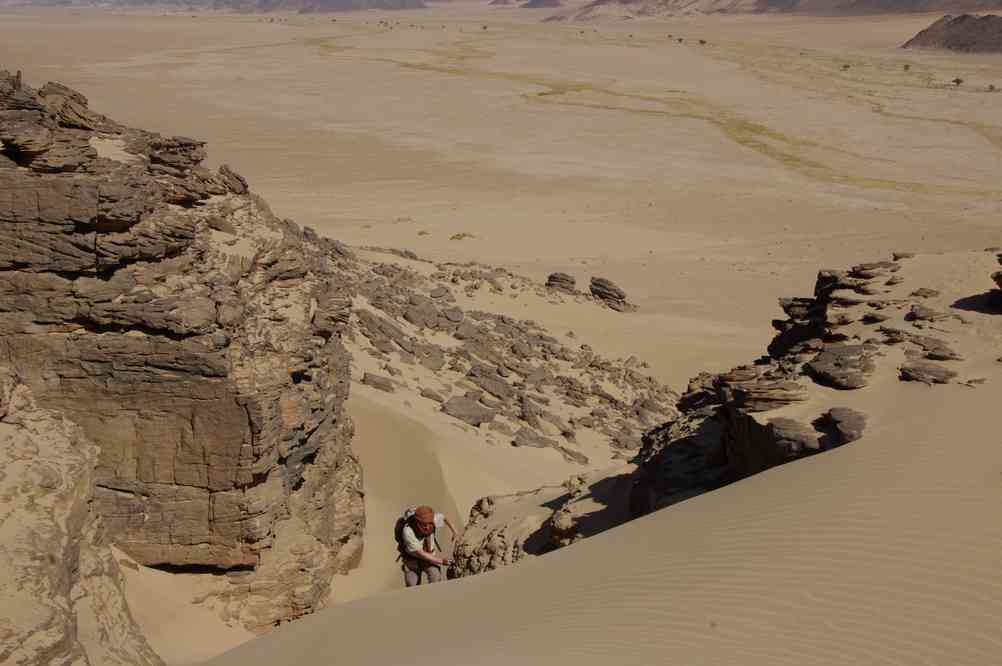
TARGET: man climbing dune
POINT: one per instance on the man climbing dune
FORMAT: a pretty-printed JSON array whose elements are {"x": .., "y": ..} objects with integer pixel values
[{"x": 420, "y": 553}]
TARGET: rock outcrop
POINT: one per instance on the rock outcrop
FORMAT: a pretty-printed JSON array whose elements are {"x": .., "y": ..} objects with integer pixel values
[
  {"x": 562, "y": 282},
  {"x": 606, "y": 291},
  {"x": 965, "y": 33},
  {"x": 62, "y": 589},
  {"x": 860, "y": 324},
  {"x": 194, "y": 337}
]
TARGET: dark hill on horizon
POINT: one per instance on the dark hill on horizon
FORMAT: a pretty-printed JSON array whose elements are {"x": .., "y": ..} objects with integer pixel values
[
  {"x": 817, "y": 7},
  {"x": 964, "y": 33}
]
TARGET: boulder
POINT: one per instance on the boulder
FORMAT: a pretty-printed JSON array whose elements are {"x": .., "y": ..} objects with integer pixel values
[
  {"x": 847, "y": 423},
  {"x": 562, "y": 282},
  {"x": 842, "y": 366},
  {"x": 926, "y": 372},
  {"x": 607, "y": 292},
  {"x": 468, "y": 410}
]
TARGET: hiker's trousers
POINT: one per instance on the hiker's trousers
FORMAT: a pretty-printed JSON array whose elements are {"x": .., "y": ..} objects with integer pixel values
[{"x": 414, "y": 571}]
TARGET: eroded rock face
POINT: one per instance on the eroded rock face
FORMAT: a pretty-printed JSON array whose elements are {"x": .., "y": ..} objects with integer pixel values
[
  {"x": 63, "y": 598},
  {"x": 193, "y": 336}
]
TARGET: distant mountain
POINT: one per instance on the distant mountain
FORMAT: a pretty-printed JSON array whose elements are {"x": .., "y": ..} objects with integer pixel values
[
  {"x": 606, "y": 8},
  {"x": 967, "y": 33}
]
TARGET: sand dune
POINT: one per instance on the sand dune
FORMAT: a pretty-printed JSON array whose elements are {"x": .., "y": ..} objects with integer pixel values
[{"x": 883, "y": 552}]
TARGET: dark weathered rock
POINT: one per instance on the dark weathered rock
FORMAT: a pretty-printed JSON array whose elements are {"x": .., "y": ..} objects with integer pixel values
[
  {"x": 842, "y": 366},
  {"x": 934, "y": 348},
  {"x": 562, "y": 282},
  {"x": 848, "y": 423},
  {"x": 531, "y": 438},
  {"x": 760, "y": 396},
  {"x": 467, "y": 410},
  {"x": 793, "y": 439},
  {"x": 874, "y": 269},
  {"x": 923, "y": 313},
  {"x": 606, "y": 291},
  {"x": 927, "y": 373},
  {"x": 924, "y": 292},
  {"x": 489, "y": 380},
  {"x": 233, "y": 181}
]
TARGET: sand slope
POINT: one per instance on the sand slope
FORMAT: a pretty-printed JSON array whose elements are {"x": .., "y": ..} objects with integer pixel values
[{"x": 881, "y": 553}]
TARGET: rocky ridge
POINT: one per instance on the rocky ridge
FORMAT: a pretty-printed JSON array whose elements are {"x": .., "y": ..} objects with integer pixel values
[
  {"x": 860, "y": 325},
  {"x": 193, "y": 337}
]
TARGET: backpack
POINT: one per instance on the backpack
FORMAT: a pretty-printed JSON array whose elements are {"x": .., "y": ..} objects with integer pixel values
[{"x": 398, "y": 532}]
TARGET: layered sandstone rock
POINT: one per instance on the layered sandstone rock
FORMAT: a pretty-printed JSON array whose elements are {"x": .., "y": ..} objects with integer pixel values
[
  {"x": 193, "y": 336},
  {"x": 62, "y": 588}
]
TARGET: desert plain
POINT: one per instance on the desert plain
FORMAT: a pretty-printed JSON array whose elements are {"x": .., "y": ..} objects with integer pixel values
[{"x": 707, "y": 165}]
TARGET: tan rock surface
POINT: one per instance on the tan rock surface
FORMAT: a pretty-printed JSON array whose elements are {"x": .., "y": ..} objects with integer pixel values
[{"x": 61, "y": 587}]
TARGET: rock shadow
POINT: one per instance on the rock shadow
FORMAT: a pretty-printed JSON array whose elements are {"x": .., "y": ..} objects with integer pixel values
[{"x": 989, "y": 302}]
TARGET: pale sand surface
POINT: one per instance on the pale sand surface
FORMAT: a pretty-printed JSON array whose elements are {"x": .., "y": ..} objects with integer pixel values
[
  {"x": 706, "y": 181},
  {"x": 177, "y": 628}
]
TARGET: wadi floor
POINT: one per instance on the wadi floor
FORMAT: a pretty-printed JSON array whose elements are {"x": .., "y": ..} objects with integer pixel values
[{"x": 706, "y": 179}]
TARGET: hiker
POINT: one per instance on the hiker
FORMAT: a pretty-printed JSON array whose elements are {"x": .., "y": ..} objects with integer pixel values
[{"x": 420, "y": 553}]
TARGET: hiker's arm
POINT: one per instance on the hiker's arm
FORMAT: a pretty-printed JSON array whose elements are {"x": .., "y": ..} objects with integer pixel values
[{"x": 428, "y": 557}]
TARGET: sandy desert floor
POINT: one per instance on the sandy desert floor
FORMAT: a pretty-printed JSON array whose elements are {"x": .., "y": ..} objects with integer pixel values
[{"x": 705, "y": 179}]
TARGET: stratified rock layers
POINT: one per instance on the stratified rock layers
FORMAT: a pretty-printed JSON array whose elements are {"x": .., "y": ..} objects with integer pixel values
[{"x": 193, "y": 336}]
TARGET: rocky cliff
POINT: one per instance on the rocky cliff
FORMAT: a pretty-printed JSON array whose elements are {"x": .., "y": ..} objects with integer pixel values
[
  {"x": 876, "y": 323},
  {"x": 193, "y": 337}
]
